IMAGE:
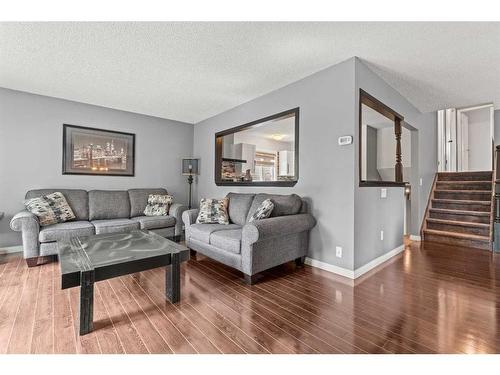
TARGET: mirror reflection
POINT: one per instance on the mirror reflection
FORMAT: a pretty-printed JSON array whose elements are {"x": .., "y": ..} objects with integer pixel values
[
  {"x": 385, "y": 144},
  {"x": 262, "y": 152}
]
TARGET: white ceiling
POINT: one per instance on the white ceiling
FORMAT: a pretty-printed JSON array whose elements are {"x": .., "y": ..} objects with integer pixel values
[
  {"x": 282, "y": 127},
  {"x": 192, "y": 71}
]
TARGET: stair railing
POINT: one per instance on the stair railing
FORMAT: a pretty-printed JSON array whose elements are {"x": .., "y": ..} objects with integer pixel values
[{"x": 495, "y": 200}]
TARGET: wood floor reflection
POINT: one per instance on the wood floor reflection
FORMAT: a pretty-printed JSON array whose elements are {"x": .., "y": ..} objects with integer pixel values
[{"x": 429, "y": 299}]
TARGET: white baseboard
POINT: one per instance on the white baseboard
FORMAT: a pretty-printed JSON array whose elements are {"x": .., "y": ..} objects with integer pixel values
[
  {"x": 377, "y": 261},
  {"x": 330, "y": 268},
  {"x": 12, "y": 249},
  {"x": 415, "y": 237},
  {"x": 357, "y": 272}
]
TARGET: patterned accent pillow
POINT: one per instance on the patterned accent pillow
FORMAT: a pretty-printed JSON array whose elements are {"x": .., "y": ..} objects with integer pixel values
[
  {"x": 213, "y": 211},
  {"x": 263, "y": 211},
  {"x": 158, "y": 205},
  {"x": 50, "y": 209}
]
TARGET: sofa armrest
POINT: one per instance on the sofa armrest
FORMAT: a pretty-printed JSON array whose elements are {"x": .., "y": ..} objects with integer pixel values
[
  {"x": 176, "y": 211},
  {"x": 259, "y": 230},
  {"x": 189, "y": 217},
  {"x": 28, "y": 224}
]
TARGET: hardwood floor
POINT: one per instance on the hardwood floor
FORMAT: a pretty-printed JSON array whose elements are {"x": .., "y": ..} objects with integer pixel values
[{"x": 432, "y": 298}]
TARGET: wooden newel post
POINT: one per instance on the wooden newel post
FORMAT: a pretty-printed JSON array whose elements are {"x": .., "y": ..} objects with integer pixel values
[{"x": 399, "y": 164}]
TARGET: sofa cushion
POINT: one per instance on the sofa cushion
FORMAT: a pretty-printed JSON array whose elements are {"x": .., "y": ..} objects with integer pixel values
[
  {"x": 114, "y": 225},
  {"x": 202, "y": 232},
  {"x": 108, "y": 204},
  {"x": 139, "y": 199},
  {"x": 229, "y": 240},
  {"x": 154, "y": 222},
  {"x": 263, "y": 211},
  {"x": 66, "y": 230},
  {"x": 283, "y": 204},
  {"x": 239, "y": 205},
  {"x": 50, "y": 209},
  {"x": 77, "y": 200},
  {"x": 158, "y": 205},
  {"x": 213, "y": 211}
]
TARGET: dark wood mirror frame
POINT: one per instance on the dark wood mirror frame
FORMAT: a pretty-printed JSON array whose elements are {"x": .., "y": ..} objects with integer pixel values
[
  {"x": 218, "y": 152},
  {"x": 377, "y": 105}
]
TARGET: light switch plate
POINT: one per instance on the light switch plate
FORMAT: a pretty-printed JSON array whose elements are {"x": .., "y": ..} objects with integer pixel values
[
  {"x": 381, "y": 235},
  {"x": 383, "y": 193},
  {"x": 345, "y": 140},
  {"x": 421, "y": 182}
]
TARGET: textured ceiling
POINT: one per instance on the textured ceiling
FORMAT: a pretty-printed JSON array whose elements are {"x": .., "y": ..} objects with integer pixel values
[{"x": 192, "y": 71}]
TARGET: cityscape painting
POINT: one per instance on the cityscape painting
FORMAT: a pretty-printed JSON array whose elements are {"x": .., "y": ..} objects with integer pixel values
[{"x": 97, "y": 151}]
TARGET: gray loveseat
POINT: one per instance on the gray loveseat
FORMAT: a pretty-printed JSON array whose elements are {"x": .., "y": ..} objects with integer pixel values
[
  {"x": 96, "y": 211},
  {"x": 256, "y": 246}
]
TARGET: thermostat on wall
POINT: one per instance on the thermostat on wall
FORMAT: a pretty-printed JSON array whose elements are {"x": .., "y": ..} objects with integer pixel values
[{"x": 345, "y": 140}]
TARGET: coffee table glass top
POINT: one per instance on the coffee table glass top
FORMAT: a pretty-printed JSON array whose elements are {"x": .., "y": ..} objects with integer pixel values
[{"x": 102, "y": 250}]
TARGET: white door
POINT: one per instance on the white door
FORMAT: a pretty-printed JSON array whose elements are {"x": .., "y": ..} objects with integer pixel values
[
  {"x": 476, "y": 138},
  {"x": 455, "y": 136}
]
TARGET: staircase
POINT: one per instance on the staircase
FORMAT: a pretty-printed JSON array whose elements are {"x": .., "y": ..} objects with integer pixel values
[{"x": 460, "y": 210}]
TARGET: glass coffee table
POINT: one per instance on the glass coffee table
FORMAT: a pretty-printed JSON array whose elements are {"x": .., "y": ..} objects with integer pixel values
[{"x": 85, "y": 260}]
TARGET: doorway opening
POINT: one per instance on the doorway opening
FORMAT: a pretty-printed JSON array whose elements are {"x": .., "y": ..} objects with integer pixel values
[{"x": 466, "y": 139}]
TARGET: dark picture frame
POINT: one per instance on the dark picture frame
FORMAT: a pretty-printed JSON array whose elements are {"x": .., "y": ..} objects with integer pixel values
[
  {"x": 97, "y": 152},
  {"x": 218, "y": 151}
]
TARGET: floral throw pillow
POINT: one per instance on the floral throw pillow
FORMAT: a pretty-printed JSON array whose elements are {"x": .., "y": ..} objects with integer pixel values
[
  {"x": 158, "y": 205},
  {"x": 263, "y": 211},
  {"x": 213, "y": 211},
  {"x": 50, "y": 209}
]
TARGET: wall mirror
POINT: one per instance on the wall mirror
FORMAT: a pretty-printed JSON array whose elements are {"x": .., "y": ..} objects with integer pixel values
[
  {"x": 264, "y": 152},
  {"x": 384, "y": 144}
]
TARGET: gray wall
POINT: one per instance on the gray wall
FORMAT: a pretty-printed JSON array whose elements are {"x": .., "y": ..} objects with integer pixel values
[
  {"x": 347, "y": 215},
  {"x": 371, "y": 154},
  {"x": 372, "y": 213},
  {"x": 326, "y": 101},
  {"x": 31, "y": 150}
]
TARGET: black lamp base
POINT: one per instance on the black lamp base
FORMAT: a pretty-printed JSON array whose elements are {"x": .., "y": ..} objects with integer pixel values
[{"x": 190, "y": 182}]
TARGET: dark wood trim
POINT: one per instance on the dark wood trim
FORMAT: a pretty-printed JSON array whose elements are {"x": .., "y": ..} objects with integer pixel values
[
  {"x": 382, "y": 184},
  {"x": 234, "y": 160},
  {"x": 377, "y": 105},
  {"x": 398, "y": 168},
  {"x": 256, "y": 183},
  {"x": 218, "y": 152},
  {"x": 64, "y": 172}
]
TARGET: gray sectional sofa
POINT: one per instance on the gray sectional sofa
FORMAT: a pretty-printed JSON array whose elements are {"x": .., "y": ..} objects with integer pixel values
[
  {"x": 96, "y": 211},
  {"x": 252, "y": 247}
]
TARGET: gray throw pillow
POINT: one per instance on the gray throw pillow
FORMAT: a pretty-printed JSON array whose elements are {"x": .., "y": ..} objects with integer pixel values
[
  {"x": 50, "y": 209},
  {"x": 158, "y": 205},
  {"x": 263, "y": 211},
  {"x": 213, "y": 211}
]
